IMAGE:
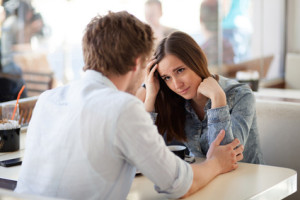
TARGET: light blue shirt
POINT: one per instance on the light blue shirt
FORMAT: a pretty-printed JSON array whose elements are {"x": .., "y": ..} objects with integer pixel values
[
  {"x": 238, "y": 118},
  {"x": 86, "y": 139}
]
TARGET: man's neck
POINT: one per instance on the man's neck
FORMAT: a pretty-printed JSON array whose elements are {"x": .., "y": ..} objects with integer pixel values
[{"x": 120, "y": 81}]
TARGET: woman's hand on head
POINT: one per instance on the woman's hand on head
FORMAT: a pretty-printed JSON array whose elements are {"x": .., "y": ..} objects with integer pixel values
[
  {"x": 210, "y": 88},
  {"x": 152, "y": 85},
  {"x": 151, "y": 79}
]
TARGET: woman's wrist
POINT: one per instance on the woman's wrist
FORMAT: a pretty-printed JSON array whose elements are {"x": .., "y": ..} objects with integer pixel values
[
  {"x": 218, "y": 100},
  {"x": 149, "y": 103},
  {"x": 149, "y": 107}
]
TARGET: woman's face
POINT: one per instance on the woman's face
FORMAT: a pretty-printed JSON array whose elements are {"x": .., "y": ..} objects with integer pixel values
[{"x": 179, "y": 77}]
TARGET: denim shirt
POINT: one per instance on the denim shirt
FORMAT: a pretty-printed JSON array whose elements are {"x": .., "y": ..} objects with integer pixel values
[{"x": 237, "y": 118}]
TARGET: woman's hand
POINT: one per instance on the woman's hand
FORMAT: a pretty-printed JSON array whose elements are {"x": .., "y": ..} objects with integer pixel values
[
  {"x": 152, "y": 85},
  {"x": 151, "y": 79},
  {"x": 210, "y": 88}
]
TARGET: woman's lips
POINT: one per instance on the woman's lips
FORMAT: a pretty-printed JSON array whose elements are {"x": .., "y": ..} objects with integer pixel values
[{"x": 184, "y": 91}]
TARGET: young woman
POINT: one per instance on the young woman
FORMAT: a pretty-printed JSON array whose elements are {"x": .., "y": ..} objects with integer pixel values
[{"x": 192, "y": 105}]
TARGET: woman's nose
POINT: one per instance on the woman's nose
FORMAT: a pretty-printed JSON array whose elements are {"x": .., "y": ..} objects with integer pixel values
[{"x": 177, "y": 83}]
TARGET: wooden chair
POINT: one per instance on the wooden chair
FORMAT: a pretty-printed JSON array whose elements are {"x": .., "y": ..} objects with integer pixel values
[
  {"x": 37, "y": 74},
  {"x": 291, "y": 76},
  {"x": 26, "y": 106},
  {"x": 37, "y": 82},
  {"x": 261, "y": 65}
]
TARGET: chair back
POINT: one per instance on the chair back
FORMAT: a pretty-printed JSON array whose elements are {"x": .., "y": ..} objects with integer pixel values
[
  {"x": 37, "y": 74},
  {"x": 279, "y": 133},
  {"x": 261, "y": 65},
  {"x": 37, "y": 82}
]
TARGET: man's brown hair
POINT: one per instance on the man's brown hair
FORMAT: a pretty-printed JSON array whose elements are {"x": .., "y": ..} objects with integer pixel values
[{"x": 112, "y": 43}]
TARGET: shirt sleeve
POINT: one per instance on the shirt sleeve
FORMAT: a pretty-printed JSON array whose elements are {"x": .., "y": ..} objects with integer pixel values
[
  {"x": 140, "y": 144},
  {"x": 236, "y": 122}
]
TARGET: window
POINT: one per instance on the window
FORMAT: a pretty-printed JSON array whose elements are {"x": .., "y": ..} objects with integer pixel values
[{"x": 233, "y": 33}]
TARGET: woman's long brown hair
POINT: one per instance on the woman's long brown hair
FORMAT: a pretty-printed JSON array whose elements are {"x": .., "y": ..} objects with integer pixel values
[{"x": 168, "y": 104}]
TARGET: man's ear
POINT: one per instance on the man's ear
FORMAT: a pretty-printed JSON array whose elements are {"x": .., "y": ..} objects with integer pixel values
[
  {"x": 138, "y": 63},
  {"x": 134, "y": 68}
]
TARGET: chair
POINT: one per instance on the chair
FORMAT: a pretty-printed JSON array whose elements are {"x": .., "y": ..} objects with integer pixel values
[
  {"x": 37, "y": 82},
  {"x": 291, "y": 77},
  {"x": 279, "y": 133},
  {"x": 26, "y": 106},
  {"x": 261, "y": 65},
  {"x": 37, "y": 74}
]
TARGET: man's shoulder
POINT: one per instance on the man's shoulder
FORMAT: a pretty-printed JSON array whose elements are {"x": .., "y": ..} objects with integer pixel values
[
  {"x": 125, "y": 99},
  {"x": 112, "y": 99}
]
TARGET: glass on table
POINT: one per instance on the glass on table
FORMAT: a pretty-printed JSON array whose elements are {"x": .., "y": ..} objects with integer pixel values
[
  {"x": 9, "y": 128},
  {"x": 9, "y": 110}
]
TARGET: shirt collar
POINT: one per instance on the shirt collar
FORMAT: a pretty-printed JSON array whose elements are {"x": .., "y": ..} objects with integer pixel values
[
  {"x": 188, "y": 106},
  {"x": 99, "y": 77}
]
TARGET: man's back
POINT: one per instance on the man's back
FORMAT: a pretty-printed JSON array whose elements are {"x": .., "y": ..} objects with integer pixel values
[{"x": 79, "y": 164}]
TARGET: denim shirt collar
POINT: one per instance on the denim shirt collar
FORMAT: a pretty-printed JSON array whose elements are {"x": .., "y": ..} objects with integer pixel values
[{"x": 189, "y": 109}]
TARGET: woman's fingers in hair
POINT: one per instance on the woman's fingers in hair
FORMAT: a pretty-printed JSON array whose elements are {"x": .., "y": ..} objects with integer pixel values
[
  {"x": 150, "y": 65},
  {"x": 152, "y": 71}
]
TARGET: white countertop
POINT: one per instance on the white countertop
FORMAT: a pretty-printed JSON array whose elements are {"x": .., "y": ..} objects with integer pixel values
[
  {"x": 278, "y": 94},
  {"x": 249, "y": 181}
]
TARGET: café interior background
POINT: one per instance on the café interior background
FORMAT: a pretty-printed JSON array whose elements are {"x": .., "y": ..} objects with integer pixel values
[{"x": 270, "y": 27}]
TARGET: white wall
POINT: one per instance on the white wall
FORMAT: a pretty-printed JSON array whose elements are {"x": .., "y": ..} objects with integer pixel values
[
  {"x": 268, "y": 31},
  {"x": 293, "y": 26}
]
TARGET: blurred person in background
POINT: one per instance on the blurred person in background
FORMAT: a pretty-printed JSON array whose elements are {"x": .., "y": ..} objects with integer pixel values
[
  {"x": 237, "y": 27},
  {"x": 209, "y": 23},
  {"x": 153, "y": 13},
  {"x": 21, "y": 24}
]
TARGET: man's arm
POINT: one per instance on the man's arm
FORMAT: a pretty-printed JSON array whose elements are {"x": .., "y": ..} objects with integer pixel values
[
  {"x": 220, "y": 159},
  {"x": 139, "y": 143}
]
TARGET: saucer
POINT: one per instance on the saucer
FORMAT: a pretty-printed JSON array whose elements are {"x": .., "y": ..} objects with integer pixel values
[{"x": 189, "y": 159}]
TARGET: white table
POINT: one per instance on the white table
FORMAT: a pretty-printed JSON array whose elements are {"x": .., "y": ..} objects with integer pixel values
[
  {"x": 290, "y": 95},
  {"x": 249, "y": 181},
  {"x": 12, "y": 172}
]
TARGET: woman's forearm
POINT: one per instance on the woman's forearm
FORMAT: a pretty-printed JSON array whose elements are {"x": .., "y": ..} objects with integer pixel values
[{"x": 149, "y": 104}]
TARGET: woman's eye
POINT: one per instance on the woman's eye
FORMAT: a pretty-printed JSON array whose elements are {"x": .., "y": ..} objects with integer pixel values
[
  {"x": 166, "y": 78},
  {"x": 180, "y": 70}
]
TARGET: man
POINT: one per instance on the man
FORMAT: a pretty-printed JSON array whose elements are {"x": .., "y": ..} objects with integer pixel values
[
  {"x": 86, "y": 138},
  {"x": 209, "y": 25}
]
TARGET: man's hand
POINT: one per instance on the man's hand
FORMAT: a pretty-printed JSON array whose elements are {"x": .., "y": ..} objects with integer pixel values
[
  {"x": 220, "y": 159},
  {"x": 226, "y": 156}
]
